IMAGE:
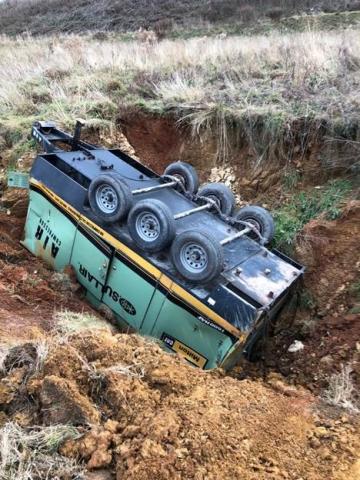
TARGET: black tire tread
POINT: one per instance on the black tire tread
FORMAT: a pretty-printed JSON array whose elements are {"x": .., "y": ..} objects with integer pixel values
[
  {"x": 123, "y": 191},
  {"x": 186, "y": 171},
  {"x": 165, "y": 218},
  {"x": 215, "y": 262},
  {"x": 262, "y": 216},
  {"x": 223, "y": 193}
]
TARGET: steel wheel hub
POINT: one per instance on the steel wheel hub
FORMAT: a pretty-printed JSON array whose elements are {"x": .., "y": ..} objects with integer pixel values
[
  {"x": 147, "y": 226},
  {"x": 255, "y": 223},
  {"x": 215, "y": 200},
  {"x": 107, "y": 199},
  {"x": 194, "y": 257}
]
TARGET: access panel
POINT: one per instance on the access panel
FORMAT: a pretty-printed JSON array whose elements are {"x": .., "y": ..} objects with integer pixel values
[
  {"x": 90, "y": 259},
  {"x": 129, "y": 291},
  {"x": 186, "y": 332}
]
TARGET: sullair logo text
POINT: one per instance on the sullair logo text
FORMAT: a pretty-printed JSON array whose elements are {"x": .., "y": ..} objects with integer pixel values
[{"x": 107, "y": 290}]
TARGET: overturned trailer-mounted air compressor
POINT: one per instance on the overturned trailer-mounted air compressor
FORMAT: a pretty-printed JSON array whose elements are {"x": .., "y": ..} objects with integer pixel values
[{"x": 171, "y": 260}]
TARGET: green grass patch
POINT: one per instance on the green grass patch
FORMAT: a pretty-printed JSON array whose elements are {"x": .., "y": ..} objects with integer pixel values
[
  {"x": 355, "y": 290},
  {"x": 307, "y": 300},
  {"x": 305, "y": 206}
]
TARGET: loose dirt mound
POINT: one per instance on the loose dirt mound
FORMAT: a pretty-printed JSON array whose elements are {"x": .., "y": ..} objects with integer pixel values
[{"x": 146, "y": 414}]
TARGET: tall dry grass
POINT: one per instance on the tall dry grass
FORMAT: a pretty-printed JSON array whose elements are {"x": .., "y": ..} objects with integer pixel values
[
  {"x": 29, "y": 454},
  {"x": 210, "y": 83}
]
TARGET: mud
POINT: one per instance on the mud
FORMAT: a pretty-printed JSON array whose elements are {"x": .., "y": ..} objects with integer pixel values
[
  {"x": 330, "y": 251},
  {"x": 145, "y": 414},
  {"x": 330, "y": 326}
]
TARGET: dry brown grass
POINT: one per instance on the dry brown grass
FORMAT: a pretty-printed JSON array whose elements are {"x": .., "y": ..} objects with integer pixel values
[
  {"x": 256, "y": 84},
  {"x": 30, "y": 454},
  {"x": 341, "y": 391}
]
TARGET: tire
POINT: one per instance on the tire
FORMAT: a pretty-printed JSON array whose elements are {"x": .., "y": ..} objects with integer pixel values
[
  {"x": 187, "y": 174},
  {"x": 222, "y": 195},
  {"x": 110, "y": 197},
  {"x": 207, "y": 266},
  {"x": 261, "y": 218},
  {"x": 151, "y": 225}
]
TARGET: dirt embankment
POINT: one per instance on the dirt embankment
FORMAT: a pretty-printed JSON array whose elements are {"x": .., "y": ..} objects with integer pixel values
[
  {"x": 330, "y": 326},
  {"x": 152, "y": 416},
  {"x": 305, "y": 155}
]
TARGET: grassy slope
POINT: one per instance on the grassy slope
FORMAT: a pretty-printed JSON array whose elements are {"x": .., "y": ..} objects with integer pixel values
[
  {"x": 273, "y": 93},
  {"x": 49, "y": 16},
  {"x": 251, "y": 87}
]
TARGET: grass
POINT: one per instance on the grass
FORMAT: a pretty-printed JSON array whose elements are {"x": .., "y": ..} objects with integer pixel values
[
  {"x": 69, "y": 322},
  {"x": 341, "y": 390},
  {"x": 355, "y": 292},
  {"x": 305, "y": 206},
  {"x": 47, "y": 16},
  {"x": 266, "y": 92},
  {"x": 29, "y": 454},
  {"x": 307, "y": 301}
]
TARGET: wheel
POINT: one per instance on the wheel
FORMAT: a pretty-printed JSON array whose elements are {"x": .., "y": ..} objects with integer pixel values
[
  {"x": 260, "y": 218},
  {"x": 186, "y": 173},
  {"x": 151, "y": 225},
  {"x": 197, "y": 256},
  {"x": 110, "y": 197},
  {"x": 221, "y": 194}
]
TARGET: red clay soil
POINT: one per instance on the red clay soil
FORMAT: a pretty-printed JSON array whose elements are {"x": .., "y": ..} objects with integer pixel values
[
  {"x": 330, "y": 329},
  {"x": 161, "y": 140},
  {"x": 146, "y": 414}
]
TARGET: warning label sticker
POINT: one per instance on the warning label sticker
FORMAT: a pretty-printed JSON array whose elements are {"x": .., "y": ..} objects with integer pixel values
[{"x": 191, "y": 355}]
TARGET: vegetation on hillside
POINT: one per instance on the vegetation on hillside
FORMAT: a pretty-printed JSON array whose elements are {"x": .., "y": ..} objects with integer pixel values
[
  {"x": 302, "y": 207},
  {"x": 267, "y": 92},
  {"x": 41, "y": 17}
]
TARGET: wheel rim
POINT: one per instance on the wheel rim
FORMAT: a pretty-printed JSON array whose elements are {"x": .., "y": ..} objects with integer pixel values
[
  {"x": 107, "y": 199},
  {"x": 194, "y": 257},
  {"x": 147, "y": 226}
]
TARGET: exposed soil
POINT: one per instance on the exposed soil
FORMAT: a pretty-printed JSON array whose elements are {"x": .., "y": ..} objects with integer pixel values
[
  {"x": 328, "y": 329},
  {"x": 159, "y": 141},
  {"x": 330, "y": 251},
  {"x": 153, "y": 416}
]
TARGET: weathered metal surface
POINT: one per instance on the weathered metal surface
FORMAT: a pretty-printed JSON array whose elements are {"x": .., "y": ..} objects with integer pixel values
[
  {"x": 264, "y": 276},
  {"x": 18, "y": 179}
]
